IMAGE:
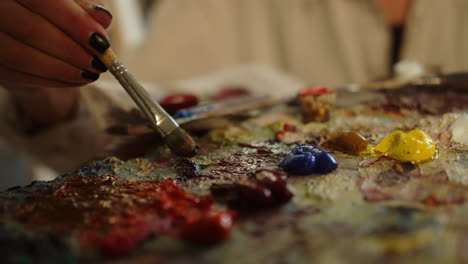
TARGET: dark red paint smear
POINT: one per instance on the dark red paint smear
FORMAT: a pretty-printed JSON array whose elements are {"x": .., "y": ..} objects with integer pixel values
[
  {"x": 176, "y": 102},
  {"x": 116, "y": 216},
  {"x": 267, "y": 188},
  {"x": 171, "y": 211}
]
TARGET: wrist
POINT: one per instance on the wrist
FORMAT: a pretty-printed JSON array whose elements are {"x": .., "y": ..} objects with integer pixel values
[{"x": 44, "y": 107}]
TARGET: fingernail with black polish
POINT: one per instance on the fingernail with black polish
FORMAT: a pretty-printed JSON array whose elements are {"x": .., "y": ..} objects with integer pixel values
[
  {"x": 98, "y": 42},
  {"x": 92, "y": 76},
  {"x": 103, "y": 9},
  {"x": 98, "y": 65}
]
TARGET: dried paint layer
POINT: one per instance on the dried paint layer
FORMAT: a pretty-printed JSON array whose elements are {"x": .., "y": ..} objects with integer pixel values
[{"x": 116, "y": 216}]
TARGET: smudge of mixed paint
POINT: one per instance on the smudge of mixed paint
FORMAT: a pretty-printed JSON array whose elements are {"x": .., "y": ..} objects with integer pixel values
[
  {"x": 429, "y": 103},
  {"x": 187, "y": 169},
  {"x": 247, "y": 161},
  {"x": 116, "y": 216},
  {"x": 386, "y": 179},
  {"x": 306, "y": 160},
  {"x": 401, "y": 229}
]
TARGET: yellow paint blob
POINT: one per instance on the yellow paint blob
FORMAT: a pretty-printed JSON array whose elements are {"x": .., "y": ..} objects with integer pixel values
[{"x": 413, "y": 146}]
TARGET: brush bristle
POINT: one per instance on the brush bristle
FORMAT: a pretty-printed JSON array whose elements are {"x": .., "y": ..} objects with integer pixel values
[{"x": 181, "y": 143}]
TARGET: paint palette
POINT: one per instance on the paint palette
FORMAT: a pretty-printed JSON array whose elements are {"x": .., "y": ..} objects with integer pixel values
[{"x": 232, "y": 202}]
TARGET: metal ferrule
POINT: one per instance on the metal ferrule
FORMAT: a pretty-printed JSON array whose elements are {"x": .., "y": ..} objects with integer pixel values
[{"x": 161, "y": 121}]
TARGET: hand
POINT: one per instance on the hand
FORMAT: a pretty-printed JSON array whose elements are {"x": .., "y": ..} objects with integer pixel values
[
  {"x": 49, "y": 43},
  {"x": 45, "y": 44}
]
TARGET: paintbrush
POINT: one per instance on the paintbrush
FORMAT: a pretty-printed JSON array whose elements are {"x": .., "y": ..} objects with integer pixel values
[
  {"x": 228, "y": 107},
  {"x": 176, "y": 138}
]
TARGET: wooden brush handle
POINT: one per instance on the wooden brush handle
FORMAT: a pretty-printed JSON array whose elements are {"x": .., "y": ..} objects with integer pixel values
[{"x": 108, "y": 58}]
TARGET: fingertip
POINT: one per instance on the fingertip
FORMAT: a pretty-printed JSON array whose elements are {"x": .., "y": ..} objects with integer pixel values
[
  {"x": 103, "y": 10},
  {"x": 90, "y": 76},
  {"x": 98, "y": 42},
  {"x": 98, "y": 65},
  {"x": 101, "y": 14}
]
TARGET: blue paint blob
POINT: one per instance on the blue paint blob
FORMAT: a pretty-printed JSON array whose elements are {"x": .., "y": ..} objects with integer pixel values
[
  {"x": 326, "y": 163},
  {"x": 190, "y": 112},
  {"x": 183, "y": 113},
  {"x": 305, "y": 160},
  {"x": 306, "y": 149},
  {"x": 300, "y": 164}
]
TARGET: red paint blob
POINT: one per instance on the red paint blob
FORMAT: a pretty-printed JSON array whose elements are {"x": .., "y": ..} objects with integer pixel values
[
  {"x": 315, "y": 91},
  {"x": 173, "y": 103},
  {"x": 231, "y": 92},
  {"x": 266, "y": 189},
  {"x": 170, "y": 211},
  {"x": 285, "y": 128},
  {"x": 209, "y": 229}
]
